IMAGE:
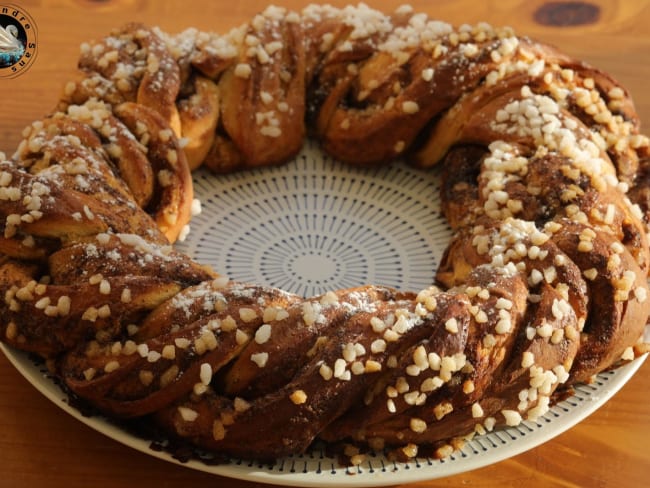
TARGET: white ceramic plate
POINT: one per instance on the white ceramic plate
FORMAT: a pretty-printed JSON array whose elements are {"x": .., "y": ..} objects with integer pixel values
[{"x": 315, "y": 225}]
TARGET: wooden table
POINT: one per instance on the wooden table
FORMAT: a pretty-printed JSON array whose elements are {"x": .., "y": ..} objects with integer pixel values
[{"x": 40, "y": 446}]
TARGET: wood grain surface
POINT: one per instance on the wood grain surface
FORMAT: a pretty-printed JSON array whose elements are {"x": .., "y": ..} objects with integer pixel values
[{"x": 41, "y": 446}]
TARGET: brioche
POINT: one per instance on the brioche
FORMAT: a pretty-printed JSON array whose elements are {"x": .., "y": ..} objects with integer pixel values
[{"x": 544, "y": 183}]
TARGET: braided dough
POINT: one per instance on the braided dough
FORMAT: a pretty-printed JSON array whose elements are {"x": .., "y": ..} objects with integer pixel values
[{"x": 543, "y": 285}]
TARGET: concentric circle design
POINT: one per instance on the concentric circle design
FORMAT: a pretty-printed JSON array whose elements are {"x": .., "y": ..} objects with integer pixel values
[{"x": 315, "y": 225}]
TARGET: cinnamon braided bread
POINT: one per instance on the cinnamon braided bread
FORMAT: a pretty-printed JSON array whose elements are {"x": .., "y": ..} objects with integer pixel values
[{"x": 543, "y": 285}]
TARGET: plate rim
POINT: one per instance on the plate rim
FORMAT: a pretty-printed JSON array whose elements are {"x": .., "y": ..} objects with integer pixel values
[{"x": 403, "y": 473}]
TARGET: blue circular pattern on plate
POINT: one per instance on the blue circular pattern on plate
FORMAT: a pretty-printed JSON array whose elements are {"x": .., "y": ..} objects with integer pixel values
[{"x": 315, "y": 225}]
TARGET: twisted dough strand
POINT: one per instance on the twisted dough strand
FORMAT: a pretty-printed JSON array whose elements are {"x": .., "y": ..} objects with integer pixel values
[{"x": 543, "y": 285}]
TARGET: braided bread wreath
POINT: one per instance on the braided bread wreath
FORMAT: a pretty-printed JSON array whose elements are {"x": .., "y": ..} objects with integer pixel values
[{"x": 543, "y": 285}]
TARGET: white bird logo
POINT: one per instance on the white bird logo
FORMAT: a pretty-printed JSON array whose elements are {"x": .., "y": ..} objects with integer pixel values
[{"x": 9, "y": 42}]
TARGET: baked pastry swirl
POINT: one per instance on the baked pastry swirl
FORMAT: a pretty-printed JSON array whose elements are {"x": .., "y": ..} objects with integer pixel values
[{"x": 543, "y": 285}]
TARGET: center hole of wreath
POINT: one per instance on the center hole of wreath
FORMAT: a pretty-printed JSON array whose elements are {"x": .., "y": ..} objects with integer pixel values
[
  {"x": 315, "y": 225},
  {"x": 314, "y": 267}
]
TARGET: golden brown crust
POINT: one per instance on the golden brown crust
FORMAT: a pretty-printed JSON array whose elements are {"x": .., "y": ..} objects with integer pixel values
[
  {"x": 199, "y": 115},
  {"x": 171, "y": 205},
  {"x": 256, "y": 90},
  {"x": 133, "y": 64}
]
